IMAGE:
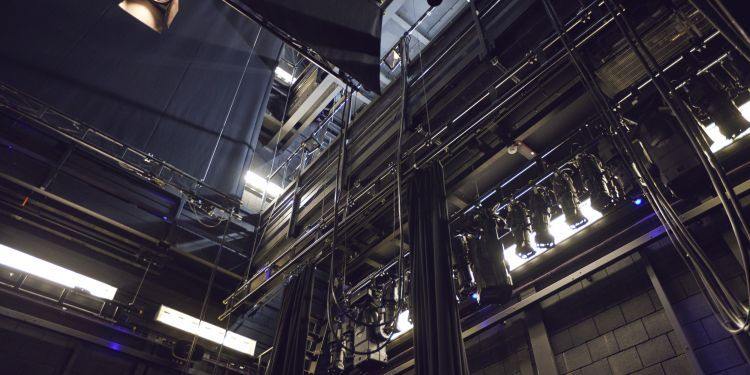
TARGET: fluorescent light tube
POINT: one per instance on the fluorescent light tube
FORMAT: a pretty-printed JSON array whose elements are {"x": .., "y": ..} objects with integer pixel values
[
  {"x": 54, "y": 273},
  {"x": 559, "y": 229},
  {"x": 283, "y": 75},
  {"x": 261, "y": 184},
  {"x": 203, "y": 329}
]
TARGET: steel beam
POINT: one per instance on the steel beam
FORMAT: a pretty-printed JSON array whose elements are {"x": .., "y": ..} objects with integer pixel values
[
  {"x": 672, "y": 317},
  {"x": 541, "y": 349}
]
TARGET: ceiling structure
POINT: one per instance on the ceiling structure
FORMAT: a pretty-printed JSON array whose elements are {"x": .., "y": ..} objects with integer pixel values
[{"x": 491, "y": 93}]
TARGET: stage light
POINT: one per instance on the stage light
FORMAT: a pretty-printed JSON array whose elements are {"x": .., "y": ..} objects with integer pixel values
[
  {"x": 567, "y": 197},
  {"x": 713, "y": 104},
  {"x": 261, "y": 184},
  {"x": 540, "y": 205},
  {"x": 638, "y": 201},
  {"x": 491, "y": 278},
  {"x": 210, "y": 332},
  {"x": 560, "y": 229},
  {"x": 461, "y": 270},
  {"x": 475, "y": 296},
  {"x": 156, "y": 14},
  {"x": 594, "y": 180},
  {"x": 716, "y": 136},
  {"x": 520, "y": 228},
  {"x": 54, "y": 273},
  {"x": 403, "y": 324}
]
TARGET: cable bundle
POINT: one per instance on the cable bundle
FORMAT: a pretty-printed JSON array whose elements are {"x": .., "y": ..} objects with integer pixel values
[{"x": 731, "y": 312}]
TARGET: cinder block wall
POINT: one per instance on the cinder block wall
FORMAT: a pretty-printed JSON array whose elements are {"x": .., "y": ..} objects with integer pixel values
[
  {"x": 503, "y": 349},
  {"x": 614, "y": 323}
]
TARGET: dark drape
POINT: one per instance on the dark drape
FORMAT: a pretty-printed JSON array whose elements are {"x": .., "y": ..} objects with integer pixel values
[
  {"x": 167, "y": 94},
  {"x": 346, "y": 32},
  {"x": 288, "y": 356},
  {"x": 438, "y": 346}
]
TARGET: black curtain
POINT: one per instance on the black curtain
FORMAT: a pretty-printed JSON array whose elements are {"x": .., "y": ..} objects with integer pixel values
[
  {"x": 288, "y": 356},
  {"x": 166, "y": 94},
  {"x": 438, "y": 346}
]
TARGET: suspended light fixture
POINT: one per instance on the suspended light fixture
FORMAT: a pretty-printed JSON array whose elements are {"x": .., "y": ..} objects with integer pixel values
[
  {"x": 540, "y": 205},
  {"x": 710, "y": 104},
  {"x": 559, "y": 228},
  {"x": 489, "y": 269},
  {"x": 719, "y": 141},
  {"x": 262, "y": 185},
  {"x": 594, "y": 180},
  {"x": 459, "y": 259},
  {"x": 156, "y": 14},
  {"x": 567, "y": 197},
  {"x": 520, "y": 228}
]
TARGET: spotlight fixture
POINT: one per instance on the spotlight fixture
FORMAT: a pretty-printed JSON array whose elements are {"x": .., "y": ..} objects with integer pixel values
[
  {"x": 567, "y": 197},
  {"x": 714, "y": 105},
  {"x": 156, "y": 14},
  {"x": 638, "y": 201},
  {"x": 459, "y": 255},
  {"x": 490, "y": 269},
  {"x": 540, "y": 205},
  {"x": 520, "y": 228},
  {"x": 594, "y": 180}
]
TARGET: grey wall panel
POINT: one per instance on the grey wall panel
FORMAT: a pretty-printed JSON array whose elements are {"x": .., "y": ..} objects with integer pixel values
[{"x": 167, "y": 94}]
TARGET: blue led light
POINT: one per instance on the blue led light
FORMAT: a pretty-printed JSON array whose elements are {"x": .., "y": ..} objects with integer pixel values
[
  {"x": 638, "y": 201},
  {"x": 475, "y": 296}
]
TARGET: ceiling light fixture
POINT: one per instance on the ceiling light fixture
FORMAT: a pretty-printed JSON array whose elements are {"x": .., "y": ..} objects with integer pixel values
[
  {"x": 261, "y": 184},
  {"x": 283, "y": 75},
  {"x": 51, "y": 272},
  {"x": 210, "y": 332},
  {"x": 156, "y": 14}
]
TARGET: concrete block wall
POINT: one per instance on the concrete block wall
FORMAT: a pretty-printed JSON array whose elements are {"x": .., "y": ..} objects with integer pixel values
[
  {"x": 612, "y": 323},
  {"x": 716, "y": 350},
  {"x": 503, "y": 349}
]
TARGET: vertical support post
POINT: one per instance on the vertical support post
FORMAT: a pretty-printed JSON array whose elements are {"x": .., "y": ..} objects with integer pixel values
[
  {"x": 671, "y": 316},
  {"x": 486, "y": 46},
  {"x": 72, "y": 359},
  {"x": 175, "y": 220},
  {"x": 293, "y": 230},
  {"x": 540, "y": 346}
]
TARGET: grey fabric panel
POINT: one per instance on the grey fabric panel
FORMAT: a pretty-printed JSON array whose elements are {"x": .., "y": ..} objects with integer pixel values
[{"x": 167, "y": 94}]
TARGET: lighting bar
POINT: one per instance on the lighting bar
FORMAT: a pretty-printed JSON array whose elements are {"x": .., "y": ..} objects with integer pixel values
[
  {"x": 262, "y": 184},
  {"x": 51, "y": 272},
  {"x": 559, "y": 229},
  {"x": 203, "y": 329},
  {"x": 719, "y": 140}
]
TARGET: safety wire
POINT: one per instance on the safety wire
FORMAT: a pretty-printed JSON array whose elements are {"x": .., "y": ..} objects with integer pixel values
[
  {"x": 331, "y": 293},
  {"x": 724, "y": 304},
  {"x": 257, "y": 240},
  {"x": 735, "y": 316},
  {"x": 211, "y": 279}
]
